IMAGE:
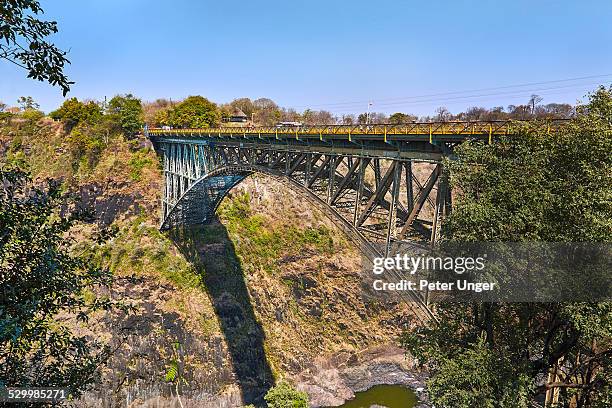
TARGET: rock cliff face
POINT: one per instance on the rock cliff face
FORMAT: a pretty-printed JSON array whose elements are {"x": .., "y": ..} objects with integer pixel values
[{"x": 269, "y": 290}]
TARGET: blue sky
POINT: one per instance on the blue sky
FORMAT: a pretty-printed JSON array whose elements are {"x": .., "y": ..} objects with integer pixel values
[{"x": 325, "y": 53}]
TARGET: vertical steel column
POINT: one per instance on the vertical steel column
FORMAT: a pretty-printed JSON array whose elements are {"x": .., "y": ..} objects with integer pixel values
[
  {"x": 308, "y": 168},
  {"x": 174, "y": 169},
  {"x": 362, "y": 167},
  {"x": 193, "y": 164},
  {"x": 182, "y": 169},
  {"x": 439, "y": 207},
  {"x": 204, "y": 167},
  {"x": 331, "y": 178},
  {"x": 409, "y": 190},
  {"x": 164, "y": 150},
  {"x": 392, "y": 220},
  {"x": 196, "y": 159},
  {"x": 377, "y": 175},
  {"x": 420, "y": 199}
]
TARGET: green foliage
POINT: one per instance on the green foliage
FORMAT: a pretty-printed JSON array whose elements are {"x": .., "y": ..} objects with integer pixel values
[
  {"x": 475, "y": 378},
  {"x": 27, "y": 103},
  {"x": 531, "y": 187},
  {"x": 32, "y": 115},
  {"x": 267, "y": 243},
  {"x": 85, "y": 149},
  {"x": 72, "y": 112},
  {"x": 22, "y": 41},
  {"x": 126, "y": 112},
  {"x": 161, "y": 118},
  {"x": 194, "y": 112},
  {"x": 6, "y": 115},
  {"x": 138, "y": 161},
  {"x": 538, "y": 187},
  {"x": 400, "y": 118},
  {"x": 171, "y": 371},
  {"x": 140, "y": 249},
  {"x": 42, "y": 278},
  {"x": 284, "y": 395}
]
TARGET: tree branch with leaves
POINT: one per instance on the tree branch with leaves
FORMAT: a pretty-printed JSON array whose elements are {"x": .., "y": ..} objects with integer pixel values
[{"x": 23, "y": 42}]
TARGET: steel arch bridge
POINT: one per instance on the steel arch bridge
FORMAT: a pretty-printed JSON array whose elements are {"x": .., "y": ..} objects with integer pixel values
[{"x": 382, "y": 184}]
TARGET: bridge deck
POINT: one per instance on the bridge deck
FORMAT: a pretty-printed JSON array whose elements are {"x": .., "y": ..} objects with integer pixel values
[{"x": 418, "y": 131}]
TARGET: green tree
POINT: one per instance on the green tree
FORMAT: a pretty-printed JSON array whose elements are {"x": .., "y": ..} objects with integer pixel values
[
  {"x": 244, "y": 104},
  {"x": 27, "y": 103},
  {"x": 126, "y": 112},
  {"x": 195, "y": 112},
  {"x": 267, "y": 112},
  {"x": 42, "y": 280},
  {"x": 161, "y": 118},
  {"x": 23, "y": 42},
  {"x": 284, "y": 395},
  {"x": 72, "y": 112},
  {"x": 526, "y": 188},
  {"x": 400, "y": 118}
]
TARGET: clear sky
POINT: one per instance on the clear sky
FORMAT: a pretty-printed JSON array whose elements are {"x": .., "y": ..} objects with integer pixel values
[{"x": 323, "y": 53}]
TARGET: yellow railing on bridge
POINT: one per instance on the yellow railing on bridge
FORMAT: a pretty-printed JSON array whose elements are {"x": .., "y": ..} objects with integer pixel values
[{"x": 490, "y": 128}]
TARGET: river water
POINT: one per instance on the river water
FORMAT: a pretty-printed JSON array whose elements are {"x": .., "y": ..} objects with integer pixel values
[{"x": 390, "y": 396}]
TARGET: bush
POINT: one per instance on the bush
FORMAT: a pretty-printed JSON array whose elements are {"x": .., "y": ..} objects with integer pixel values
[
  {"x": 284, "y": 395},
  {"x": 32, "y": 115},
  {"x": 72, "y": 112},
  {"x": 139, "y": 160},
  {"x": 85, "y": 149}
]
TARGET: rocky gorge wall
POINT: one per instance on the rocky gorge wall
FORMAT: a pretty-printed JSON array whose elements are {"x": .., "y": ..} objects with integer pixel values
[{"x": 270, "y": 290}]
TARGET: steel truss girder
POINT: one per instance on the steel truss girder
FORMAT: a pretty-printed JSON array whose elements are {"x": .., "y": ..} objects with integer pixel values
[
  {"x": 198, "y": 175},
  {"x": 186, "y": 165}
]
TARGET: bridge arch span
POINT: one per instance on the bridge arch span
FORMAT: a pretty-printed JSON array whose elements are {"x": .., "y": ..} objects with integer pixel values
[
  {"x": 208, "y": 193},
  {"x": 369, "y": 191},
  {"x": 222, "y": 180}
]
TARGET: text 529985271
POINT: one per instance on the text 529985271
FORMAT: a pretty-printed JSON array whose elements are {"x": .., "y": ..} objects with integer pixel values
[{"x": 32, "y": 394}]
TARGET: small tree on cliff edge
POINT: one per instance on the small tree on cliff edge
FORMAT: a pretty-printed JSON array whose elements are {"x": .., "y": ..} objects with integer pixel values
[
  {"x": 529, "y": 187},
  {"x": 126, "y": 112}
]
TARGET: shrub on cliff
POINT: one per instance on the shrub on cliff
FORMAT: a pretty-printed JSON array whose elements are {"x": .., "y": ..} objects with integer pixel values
[{"x": 284, "y": 395}]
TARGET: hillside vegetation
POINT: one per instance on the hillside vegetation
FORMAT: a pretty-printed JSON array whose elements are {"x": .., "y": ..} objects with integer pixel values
[{"x": 254, "y": 297}]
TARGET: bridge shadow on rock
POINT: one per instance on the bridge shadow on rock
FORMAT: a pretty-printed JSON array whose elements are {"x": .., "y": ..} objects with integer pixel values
[{"x": 212, "y": 252}]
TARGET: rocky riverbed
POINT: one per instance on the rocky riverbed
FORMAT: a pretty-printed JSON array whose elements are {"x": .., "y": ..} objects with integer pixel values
[{"x": 330, "y": 381}]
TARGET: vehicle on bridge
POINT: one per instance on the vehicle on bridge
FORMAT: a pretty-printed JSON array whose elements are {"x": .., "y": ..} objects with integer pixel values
[{"x": 289, "y": 124}]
